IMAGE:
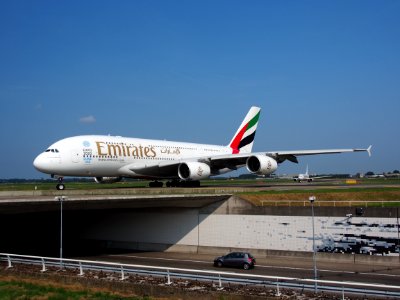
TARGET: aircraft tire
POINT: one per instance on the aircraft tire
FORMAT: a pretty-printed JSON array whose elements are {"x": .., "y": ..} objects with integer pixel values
[
  {"x": 156, "y": 184},
  {"x": 60, "y": 187},
  {"x": 173, "y": 183}
]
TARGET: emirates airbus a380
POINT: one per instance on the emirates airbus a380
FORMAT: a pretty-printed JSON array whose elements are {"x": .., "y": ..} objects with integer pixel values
[{"x": 110, "y": 158}]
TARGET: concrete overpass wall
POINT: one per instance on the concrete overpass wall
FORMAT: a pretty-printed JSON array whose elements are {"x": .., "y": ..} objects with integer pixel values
[
  {"x": 191, "y": 224},
  {"x": 235, "y": 224},
  {"x": 291, "y": 233}
]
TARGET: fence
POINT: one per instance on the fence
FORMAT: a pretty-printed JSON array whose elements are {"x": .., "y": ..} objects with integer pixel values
[
  {"x": 222, "y": 278},
  {"x": 334, "y": 203}
]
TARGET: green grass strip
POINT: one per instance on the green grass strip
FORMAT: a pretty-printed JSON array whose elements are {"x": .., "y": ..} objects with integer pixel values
[{"x": 10, "y": 290}]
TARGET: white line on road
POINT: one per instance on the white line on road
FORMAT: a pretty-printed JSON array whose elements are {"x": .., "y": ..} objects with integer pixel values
[
  {"x": 258, "y": 266},
  {"x": 160, "y": 258}
]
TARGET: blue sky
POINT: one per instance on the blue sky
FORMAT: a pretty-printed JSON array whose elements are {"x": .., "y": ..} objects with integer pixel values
[{"x": 326, "y": 74}]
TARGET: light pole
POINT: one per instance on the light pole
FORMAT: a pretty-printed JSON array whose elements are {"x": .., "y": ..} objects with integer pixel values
[
  {"x": 61, "y": 199},
  {"x": 312, "y": 200}
]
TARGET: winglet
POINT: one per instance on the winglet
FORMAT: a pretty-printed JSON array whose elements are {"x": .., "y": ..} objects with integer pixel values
[{"x": 369, "y": 150}]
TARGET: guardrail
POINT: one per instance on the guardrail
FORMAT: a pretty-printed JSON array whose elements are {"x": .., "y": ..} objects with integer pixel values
[
  {"x": 341, "y": 287},
  {"x": 334, "y": 203}
]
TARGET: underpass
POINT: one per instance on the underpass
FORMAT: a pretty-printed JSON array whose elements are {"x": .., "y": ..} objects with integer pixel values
[
  {"x": 32, "y": 225},
  {"x": 172, "y": 229}
]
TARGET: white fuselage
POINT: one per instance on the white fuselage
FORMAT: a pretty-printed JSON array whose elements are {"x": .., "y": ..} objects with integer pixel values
[
  {"x": 110, "y": 158},
  {"x": 99, "y": 155},
  {"x": 303, "y": 177}
]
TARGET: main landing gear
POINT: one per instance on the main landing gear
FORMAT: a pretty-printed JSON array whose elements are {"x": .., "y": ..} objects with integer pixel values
[
  {"x": 176, "y": 183},
  {"x": 156, "y": 184}
]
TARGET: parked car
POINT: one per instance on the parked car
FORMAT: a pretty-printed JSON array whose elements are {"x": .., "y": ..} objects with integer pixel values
[
  {"x": 367, "y": 250},
  {"x": 236, "y": 259}
]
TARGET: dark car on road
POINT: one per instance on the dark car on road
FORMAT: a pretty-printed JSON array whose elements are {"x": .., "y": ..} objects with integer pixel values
[{"x": 236, "y": 259}]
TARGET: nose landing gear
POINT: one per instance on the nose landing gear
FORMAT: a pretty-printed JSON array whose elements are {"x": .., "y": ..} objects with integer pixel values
[{"x": 60, "y": 186}]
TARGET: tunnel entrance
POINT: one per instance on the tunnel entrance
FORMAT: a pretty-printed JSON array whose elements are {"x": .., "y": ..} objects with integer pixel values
[{"x": 39, "y": 234}]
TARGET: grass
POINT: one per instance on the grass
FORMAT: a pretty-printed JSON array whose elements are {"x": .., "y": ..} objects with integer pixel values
[
  {"x": 43, "y": 186},
  {"x": 269, "y": 183},
  {"x": 327, "y": 190},
  {"x": 384, "y": 190},
  {"x": 30, "y": 186},
  {"x": 385, "y": 196},
  {"x": 29, "y": 289}
]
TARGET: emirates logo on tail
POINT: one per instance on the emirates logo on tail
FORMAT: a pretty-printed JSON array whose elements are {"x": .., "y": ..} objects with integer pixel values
[{"x": 244, "y": 137}]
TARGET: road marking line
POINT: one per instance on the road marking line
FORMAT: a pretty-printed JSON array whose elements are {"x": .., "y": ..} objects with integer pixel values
[
  {"x": 258, "y": 266},
  {"x": 159, "y": 258}
]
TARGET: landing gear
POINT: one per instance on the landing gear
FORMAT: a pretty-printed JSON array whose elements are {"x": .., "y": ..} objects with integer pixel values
[
  {"x": 173, "y": 183},
  {"x": 60, "y": 186},
  {"x": 176, "y": 183},
  {"x": 156, "y": 184}
]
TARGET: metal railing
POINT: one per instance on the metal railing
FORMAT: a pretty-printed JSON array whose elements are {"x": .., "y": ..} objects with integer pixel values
[
  {"x": 334, "y": 203},
  {"x": 222, "y": 278}
]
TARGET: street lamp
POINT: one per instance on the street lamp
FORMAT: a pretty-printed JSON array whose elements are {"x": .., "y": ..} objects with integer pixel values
[
  {"x": 61, "y": 199},
  {"x": 312, "y": 200}
]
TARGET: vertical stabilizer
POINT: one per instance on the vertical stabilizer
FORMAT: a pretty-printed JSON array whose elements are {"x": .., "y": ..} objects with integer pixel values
[
  {"x": 242, "y": 141},
  {"x": 307, "y": 170}
]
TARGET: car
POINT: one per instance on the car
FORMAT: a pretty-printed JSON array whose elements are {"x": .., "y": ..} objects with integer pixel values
[
  {"x": 367, "y": 250},
  {"x": 236, "y": 259}
]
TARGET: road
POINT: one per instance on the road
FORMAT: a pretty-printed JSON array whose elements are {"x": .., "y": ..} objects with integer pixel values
[{"x": 298, "y": 267}]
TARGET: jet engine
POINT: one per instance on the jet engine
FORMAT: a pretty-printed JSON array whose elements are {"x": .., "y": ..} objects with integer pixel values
[
  {"x": 107, "y": 179},
  {"x": 193, "y": 171},
  {"x": 261, "y": 165}
]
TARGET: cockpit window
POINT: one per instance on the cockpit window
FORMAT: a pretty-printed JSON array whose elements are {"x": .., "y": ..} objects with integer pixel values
[{"x": 52, "y": 150}]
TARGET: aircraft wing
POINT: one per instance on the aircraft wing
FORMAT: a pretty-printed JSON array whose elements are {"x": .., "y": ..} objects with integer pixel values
[
  {"x": 169, "y": 169},
  {"x": 165, "y": 169},
  {"x": 281, "y": 156},
  {"x": 320, "y": 177}
]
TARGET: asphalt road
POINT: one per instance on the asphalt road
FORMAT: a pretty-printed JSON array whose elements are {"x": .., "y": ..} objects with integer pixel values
[{"x": 298, "y": 267}]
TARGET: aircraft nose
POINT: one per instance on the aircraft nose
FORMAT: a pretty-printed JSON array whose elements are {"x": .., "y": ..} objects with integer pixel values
[{"x": 40, "y": 163}]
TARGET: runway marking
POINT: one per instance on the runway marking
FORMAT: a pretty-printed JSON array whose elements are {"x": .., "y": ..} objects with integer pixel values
[{"x": 259, "y": 266}]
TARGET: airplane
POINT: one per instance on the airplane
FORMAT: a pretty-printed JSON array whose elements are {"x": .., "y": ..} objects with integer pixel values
[
  {"x": 111, "y": 158},
  {"x": 307, "y": 177},
  {"x": 376, "y": 176}
]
